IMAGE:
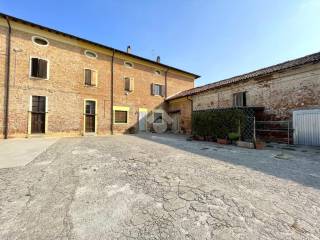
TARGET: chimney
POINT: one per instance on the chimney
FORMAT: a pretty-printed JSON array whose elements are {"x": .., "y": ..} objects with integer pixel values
[
  {"x": 158, "y": 59},
  {"x": 129, "y": 49}
]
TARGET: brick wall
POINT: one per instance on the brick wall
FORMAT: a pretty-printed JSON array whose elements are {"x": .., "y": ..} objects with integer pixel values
[
  {"x": 66, "y": 90},
  {"x": 279, "y": 93},
  {"x": 182, "y": 106}
]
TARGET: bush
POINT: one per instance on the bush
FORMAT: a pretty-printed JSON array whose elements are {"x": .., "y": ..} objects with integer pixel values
[
  {"x": 217, "y": 123},
  {"x": 233, "y": 136}
]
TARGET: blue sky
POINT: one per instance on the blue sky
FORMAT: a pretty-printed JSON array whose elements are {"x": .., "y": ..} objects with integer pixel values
[{"x": 215, "y": 39}]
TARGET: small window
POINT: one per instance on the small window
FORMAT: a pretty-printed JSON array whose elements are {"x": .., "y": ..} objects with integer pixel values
[
  {"x": 90, "y": 54},
  {"x": 39, "y": 68},
  {"x": 128, "y": 64},
  {"x": 120, "y": 116},
  {"x": 128, "y": 84},
  {"x": 90, "y": 107},
  {"x": 40, "y": 41},
  {"x": 38, "y": 104},
  {"x": 90, "y": 77},
  {"x": 239, "y": 99},
  {"x": 157, "y": 72},
  {"x": 157, "y": 117},
  {"x": 157, "y": 90}
]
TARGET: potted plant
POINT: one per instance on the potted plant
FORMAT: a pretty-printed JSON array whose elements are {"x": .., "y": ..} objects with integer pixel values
[
  {"x": 233, "y": 137},
  {"x": 259, "y": 144}
]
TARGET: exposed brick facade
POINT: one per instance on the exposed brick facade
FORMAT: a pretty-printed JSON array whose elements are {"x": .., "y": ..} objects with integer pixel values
[
  {"x": 65, "y": 88},
  {"x": 279, "y": 93}
]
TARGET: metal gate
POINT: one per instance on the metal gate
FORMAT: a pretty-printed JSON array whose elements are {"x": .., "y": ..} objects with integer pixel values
[{"x": 306, "y": 124}]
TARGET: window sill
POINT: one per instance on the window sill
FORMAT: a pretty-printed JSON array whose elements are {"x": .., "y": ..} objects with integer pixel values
[
  {"x": 36, "y": 78},
  {"x": 120, "y": 123}
]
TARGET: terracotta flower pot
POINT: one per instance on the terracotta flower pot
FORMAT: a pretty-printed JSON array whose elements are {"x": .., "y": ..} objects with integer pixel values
[
  {"x": 222, "y": 141},
  {"x": 260, "y": 145}
]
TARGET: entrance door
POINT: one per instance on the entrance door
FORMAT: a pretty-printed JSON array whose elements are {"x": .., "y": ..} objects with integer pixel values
[
  {"x": 90, "y": 116},
  {"x": 175, "y": 122},
  {"x": 306, "y": 125},
  {"x": 38, "y": 114},
  {"x": 142, "y": 119}
]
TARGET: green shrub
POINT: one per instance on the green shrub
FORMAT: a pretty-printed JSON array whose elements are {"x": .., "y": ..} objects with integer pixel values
[
  {"x": 233, "y": 136},
  {"x": 217, "y": 123}
]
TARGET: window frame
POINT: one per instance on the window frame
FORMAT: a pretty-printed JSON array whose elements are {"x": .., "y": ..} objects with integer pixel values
[
  {"x": 122, "y": 109},
  {"x": 160, "y": 89},
  {"x": 30, "y": 68},
  {"x": 128, "y": 64},
  {"x": 89, "y": 51},
  {"x": 131, "y": 87},
  {"x": 42, "y": 38},
  {"x": 84, "y": 77},
  {"x": 154, "y": 119},
  {"x": 157, "y": 72},
  {"x": 243, "y": 99}
]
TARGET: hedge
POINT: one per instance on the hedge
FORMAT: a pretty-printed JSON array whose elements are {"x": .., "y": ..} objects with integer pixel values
[{"x": 219, "y": 123}]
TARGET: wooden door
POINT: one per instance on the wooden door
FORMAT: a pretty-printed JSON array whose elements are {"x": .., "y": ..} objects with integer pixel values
[
  {"x": 38, "y": 114},
  {"x": 90, "y": 116}
]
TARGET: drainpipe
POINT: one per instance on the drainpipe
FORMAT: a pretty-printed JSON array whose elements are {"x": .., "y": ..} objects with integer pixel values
[
  {"x": 7, "y": 84},
  {"x": 112, "y": 70},
  {"x": 166, "y": 82},
  {"x": 191, "y": 101}
]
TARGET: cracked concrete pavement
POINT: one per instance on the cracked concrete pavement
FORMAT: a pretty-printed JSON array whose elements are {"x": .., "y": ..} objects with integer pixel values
[{"x": 160, "y": 187}]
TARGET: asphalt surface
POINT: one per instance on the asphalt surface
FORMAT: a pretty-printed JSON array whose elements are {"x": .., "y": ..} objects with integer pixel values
[{"x": 161, "y": 187}]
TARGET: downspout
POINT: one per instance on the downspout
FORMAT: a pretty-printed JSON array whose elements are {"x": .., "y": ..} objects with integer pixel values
[
  {"x": 112, "y": 77},
  {"x": 191, "y": 100},
  {"x": 7, "y": 85},
  {"x": 166, "y": 83}
]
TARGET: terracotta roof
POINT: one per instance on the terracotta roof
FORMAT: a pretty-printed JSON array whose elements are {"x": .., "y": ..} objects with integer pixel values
[
  {"x": 313, "y": 58},
  {"x": 93, "y": 43}
]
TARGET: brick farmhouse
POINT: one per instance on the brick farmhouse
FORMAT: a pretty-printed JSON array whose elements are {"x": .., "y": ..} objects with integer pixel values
[
  {"x": 281, "y": 92},
  {"x": 55, "y": 83}
]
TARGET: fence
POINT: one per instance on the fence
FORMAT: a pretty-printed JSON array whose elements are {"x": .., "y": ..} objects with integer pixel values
[{"x": 279, "y": 131}]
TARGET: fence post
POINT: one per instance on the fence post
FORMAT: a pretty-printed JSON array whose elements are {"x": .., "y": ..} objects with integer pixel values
[
  {"x": 288, "y": 132},
  {"x": 254, "y": 129}
]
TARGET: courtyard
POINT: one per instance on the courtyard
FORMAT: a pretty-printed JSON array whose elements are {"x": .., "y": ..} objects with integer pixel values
[{"x": 160, "y": 186}]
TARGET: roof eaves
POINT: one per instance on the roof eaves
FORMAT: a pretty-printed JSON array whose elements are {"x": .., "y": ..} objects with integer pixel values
[{"x": 95, "y": 43}]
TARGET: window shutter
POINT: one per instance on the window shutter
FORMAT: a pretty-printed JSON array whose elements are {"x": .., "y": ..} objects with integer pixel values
[
  {"x": 94, "y": 78},
  {"x": 42, "y": 68},
  {"x": 244, "y": 99},
  {"x": 152, "y": 89},
  {"x": 34, "y": 67},
  {"x": 131, "y": 87},
  {"x": 87, "y": 76}
]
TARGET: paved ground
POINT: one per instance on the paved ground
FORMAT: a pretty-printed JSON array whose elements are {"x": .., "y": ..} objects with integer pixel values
[
  {"x": 160, "y": 187},
  {"x": 19, "y": 152}
]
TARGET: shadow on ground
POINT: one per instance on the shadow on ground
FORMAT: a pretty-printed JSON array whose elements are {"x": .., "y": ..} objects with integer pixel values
[{"x": 302, "y": 166}]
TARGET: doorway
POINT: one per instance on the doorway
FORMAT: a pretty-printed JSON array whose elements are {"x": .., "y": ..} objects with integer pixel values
[
  {"x": 38, "y": 114},
  {"x": 143, "y": 119},
  {"x": 90, "y": 116}
]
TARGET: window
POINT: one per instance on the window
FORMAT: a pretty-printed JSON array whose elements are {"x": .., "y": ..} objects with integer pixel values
[
  {"x": 239, "y": 99},
  {"x": 157, "y": 72},
  {"x": 40, "y": 41},
  {"x": 90, "y": 54},
  {"x": 120, "y": 116},
  {"x": 90, "y": 107},
  {"x": 90, "y": 77},
  {"x": 157, "y": 116},
  {"x": 157, "y": 89},
  {"x": 38, "y": 104},
  {"x": 128, "y": 84},
  {"x": 39, "y": 68},
  {"x": 128, "y": 64}
]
